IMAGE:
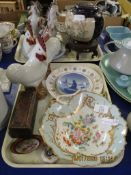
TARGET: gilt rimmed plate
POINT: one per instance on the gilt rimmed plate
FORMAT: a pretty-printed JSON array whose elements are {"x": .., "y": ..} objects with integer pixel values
[
  {"x": 79, "y": 133},
  {"x": 69, "y": 79}
]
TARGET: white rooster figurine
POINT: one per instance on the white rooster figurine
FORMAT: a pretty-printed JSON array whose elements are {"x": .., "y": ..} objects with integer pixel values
[
  {"x": 34, "y": 70},
  {"x": 34, "y": 24}
]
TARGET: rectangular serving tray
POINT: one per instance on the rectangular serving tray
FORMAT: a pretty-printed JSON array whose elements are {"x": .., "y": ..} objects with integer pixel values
[
  {"x": 68, "y": 57},
  {"x": 34, "y": 159}
]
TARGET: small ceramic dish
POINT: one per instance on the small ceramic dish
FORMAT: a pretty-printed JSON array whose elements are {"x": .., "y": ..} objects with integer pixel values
[
  {"x": 48, "y": 155},
  {"x": 86, "y": 132},
  {"x": 120, "y": 36},
  {"x": 117, "y": 30},
  {"x": 69, "y": 83},
  {"x": 60, "y": 80},
  {"x": 25, "y": 146}
]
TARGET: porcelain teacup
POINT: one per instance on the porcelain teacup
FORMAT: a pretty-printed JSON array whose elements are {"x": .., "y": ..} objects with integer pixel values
[
  {"x": 8, "y": 43},
  {"x": 6, "y": 37}
]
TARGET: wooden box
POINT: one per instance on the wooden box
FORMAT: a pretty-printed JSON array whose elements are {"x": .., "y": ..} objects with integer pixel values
[{"x": 23, "y": 117}]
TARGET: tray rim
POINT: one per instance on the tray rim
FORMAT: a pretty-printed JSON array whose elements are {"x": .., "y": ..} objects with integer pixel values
[{"x": 46, "y": 165}]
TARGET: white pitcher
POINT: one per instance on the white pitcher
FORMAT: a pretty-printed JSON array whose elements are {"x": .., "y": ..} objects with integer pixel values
[{"x": 121, "y": 59}]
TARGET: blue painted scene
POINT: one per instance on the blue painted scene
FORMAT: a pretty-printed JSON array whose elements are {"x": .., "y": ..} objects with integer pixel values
[{"x": 70, "y": 83}]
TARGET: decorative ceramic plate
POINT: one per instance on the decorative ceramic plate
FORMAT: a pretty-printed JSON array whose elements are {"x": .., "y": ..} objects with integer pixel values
[
  {"x": 112, "y": 76},
  {"x": 88, "y": 130},
  {"x": 69, "y": 79}
]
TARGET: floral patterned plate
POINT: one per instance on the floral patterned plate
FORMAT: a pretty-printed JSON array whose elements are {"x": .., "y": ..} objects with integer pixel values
[
  {"x": 87, "y": 131},
  {"x": 69, "y": 79}
]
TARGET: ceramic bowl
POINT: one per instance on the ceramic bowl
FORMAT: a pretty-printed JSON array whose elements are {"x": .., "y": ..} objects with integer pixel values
[
  {"x": 120, "y": 36},
  {"x": 117, "y": 29},
  {"x": 71, "y": 82}
]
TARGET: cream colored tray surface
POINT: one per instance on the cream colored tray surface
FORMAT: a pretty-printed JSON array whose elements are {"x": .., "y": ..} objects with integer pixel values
[
  {"x": 68, "y": 57},
  {"x": 35, "y": 159}
]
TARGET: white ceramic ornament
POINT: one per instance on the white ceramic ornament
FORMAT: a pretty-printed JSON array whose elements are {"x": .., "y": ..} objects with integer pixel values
[
  {"x": 26, "y": 45},
  {"x": 34, "y": 70},
  {"x": 34, "y": 17}
]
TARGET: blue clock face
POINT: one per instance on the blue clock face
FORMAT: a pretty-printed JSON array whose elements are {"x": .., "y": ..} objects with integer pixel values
[{"x": 72, "y": 82}]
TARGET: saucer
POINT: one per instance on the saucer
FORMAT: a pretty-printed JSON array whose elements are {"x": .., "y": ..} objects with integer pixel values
[
  {"x": 69, "y": 83},
  {"x": 61, "y": 79}
]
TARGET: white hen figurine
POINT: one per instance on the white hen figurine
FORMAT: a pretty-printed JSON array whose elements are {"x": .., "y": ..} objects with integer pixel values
[{"x": 34, "y": 70}]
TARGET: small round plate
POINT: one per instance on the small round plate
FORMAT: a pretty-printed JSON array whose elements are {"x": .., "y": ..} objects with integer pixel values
[
  {"x": 25, "y": 146},
  {"x": 71, "y": 82},
  {"x": 68, "y": 79}
]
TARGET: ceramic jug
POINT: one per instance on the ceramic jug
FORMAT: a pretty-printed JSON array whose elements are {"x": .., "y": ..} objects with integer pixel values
[
  {"x": 3, "y": 110},
  {"x": 84, "y": 22},
  {"x": 7, "y": 40},
  {"x": 121, "y": 59}
]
